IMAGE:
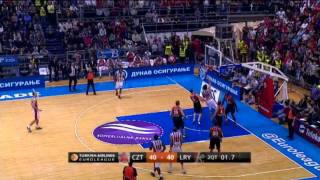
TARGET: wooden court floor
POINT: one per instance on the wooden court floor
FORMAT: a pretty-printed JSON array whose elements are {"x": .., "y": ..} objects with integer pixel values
[{"x": 68, "y": 122}]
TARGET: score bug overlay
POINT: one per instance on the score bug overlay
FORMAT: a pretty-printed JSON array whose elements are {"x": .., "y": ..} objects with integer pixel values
[{"x": 163, "y": 157}]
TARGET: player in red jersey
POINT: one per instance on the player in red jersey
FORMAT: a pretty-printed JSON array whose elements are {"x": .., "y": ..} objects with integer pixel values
[
  {"x": 119, "y": 80},
  {"x": 215, "y": 138},
  {"x": 157, "y": 146},
  {"x": 178, "y": 115},
  {"x": 176, "y": 141},
  {"x": 231, "y": 106},
  {"x": 36, "y": 111},
  {"x": 197, "y": 108},
  {"x": 220, "y": 114}
]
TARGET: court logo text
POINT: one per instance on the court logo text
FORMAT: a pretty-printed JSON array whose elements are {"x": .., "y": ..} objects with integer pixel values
[{"x": 127, "y": 132}]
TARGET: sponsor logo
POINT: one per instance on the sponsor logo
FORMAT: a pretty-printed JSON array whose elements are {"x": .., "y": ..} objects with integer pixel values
[
  {"x": 302, "y": 128},
  {"x": 15, "y": 96},
  {"x": 127, "y": 132},
  {"x": 19, "y": 83},
  {"x": 160, "y": 71},
  {"x": 222, "y": 85},
  {"x": 124, "y": 72},
  {"x": 313, "y": 135},
  {"x": 307, "y": 161}
]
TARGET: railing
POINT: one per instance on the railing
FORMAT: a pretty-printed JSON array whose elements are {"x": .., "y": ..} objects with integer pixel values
[{"x": 117, "y": 13}]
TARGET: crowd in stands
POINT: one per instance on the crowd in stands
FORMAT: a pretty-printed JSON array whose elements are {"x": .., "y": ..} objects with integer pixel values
[
  {"x": 100, "y": 35},
  {"x": 20, "y": 28},
  {"x": 290, "y": 41}
]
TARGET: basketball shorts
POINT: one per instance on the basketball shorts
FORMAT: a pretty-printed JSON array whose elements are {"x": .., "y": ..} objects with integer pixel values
[
  {"x": 197, "y": 108},
  {"x": 211, "y": 105},
  {"x": 178, "y": 122},
  {"x": 214, "y": 143},
  {"x": 176, "y": 148},
  {"x": 156, "y": 165},
  {"x": 119, "y": 84}
]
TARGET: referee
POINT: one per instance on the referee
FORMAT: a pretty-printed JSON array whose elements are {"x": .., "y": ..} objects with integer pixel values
[{"x": 90, "y": 77}]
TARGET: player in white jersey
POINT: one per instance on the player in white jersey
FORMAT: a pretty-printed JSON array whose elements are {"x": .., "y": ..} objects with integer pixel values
[
  {"x": 176, "y": 140},
  {"x": 119, "y": 80},
  {"x": 157, "y": 146},
  {"x": 208, "y": 96},
  {"x": 36, "y": 111}
]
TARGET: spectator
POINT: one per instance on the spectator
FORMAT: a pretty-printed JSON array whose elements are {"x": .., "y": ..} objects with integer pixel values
[{"x": 250, "y": 99}]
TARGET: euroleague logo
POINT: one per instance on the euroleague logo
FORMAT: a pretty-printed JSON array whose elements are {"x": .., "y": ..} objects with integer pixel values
[
  {"x": 302, "y": 128},
  {"x": 127, "y": 132}
]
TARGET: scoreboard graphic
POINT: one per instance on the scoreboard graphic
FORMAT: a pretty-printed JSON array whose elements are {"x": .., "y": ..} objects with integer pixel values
[{"x": 164, "y": 157}]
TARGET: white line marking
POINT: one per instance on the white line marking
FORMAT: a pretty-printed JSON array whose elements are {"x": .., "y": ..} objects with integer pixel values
[
  {"x": 253, "y": 134},
  {"x": 82, "y": 92},
  {"x": 273, "y": 147},
  {"x": 82, "y": 142},
  {"x": 98, "y": 104}
]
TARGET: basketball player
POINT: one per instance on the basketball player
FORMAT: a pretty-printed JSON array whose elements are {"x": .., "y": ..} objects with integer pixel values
[
  {"x": 220, "y": 114},
  {"x": 209, "y": 98},
  {"x": 215, "y": 138},
  {"x": 178, "y": 115},
  {"x": 197, "y": 108},
  {"x": 176, "y": 140},
  {"x": 231, "y": 106},
  {"x": 157, "y": 146},
  {"x": 119, "y": 79},
  {"x": 36, "y": 110}
]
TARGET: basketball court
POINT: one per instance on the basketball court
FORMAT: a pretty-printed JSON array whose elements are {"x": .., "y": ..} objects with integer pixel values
[{"x": 70, "y": 119}]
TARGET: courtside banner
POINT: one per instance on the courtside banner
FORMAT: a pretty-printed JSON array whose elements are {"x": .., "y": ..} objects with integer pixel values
[
  {"x": 310, "y": 133},
  {"x": 223, "y": 85},
  {"x": 8, "y": 61},
  {"x": 22, "y": 83},
  {"x": 158, "y": 71}
]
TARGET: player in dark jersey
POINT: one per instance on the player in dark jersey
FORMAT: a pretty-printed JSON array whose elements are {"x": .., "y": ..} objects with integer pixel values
[
  {"x": 220, "y": 114},
  {"x": 231, "y": 106},
  {"x": 197, "y": 108},
  {"x": 176, "y": 140},
  {"x": 177, "y": 115},
  {"x": 215, "y": 138},
  {"x": 157, "y": 146}
]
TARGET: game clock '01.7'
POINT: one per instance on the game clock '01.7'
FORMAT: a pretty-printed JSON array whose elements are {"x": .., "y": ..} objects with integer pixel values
[{"x": 165, "y": 157}]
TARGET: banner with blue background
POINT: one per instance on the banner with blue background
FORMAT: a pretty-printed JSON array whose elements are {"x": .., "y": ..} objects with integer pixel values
[
  {"x": 227, "y": 69},
  {"x": 108, "y": 53},
  {"x": 22, "y": 83},
  {"x": 158, "y": 71},
  {"x": 223, "y": 85},
  {"x": 8, "y": 61}
]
